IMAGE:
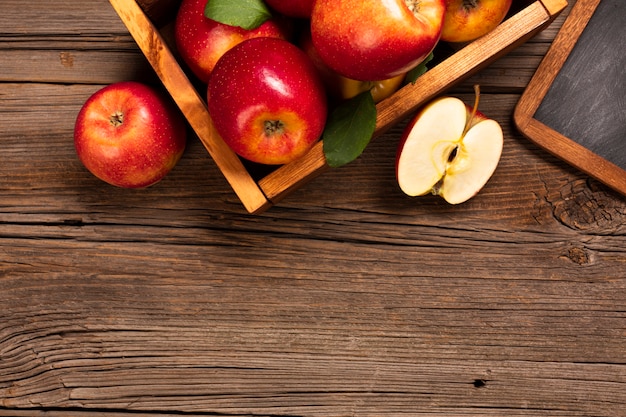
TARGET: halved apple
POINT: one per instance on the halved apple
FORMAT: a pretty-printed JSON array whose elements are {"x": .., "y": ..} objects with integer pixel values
[{"x": 448, "y": 149}]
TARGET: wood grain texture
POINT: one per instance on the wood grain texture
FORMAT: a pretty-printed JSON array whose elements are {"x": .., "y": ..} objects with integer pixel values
[{"x": 346, "y": 299}]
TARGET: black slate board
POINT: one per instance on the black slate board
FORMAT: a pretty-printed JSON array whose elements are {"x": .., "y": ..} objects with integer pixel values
[{"x": 575, "y": 105}]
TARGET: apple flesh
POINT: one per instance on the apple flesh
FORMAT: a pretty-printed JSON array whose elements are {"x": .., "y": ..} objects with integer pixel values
[
  {"x": 292, "y": 8},
  {"x": 448, "y": 150},
  {"x": 267, "y": 101},
  {"x": 371, "y": 40},
  {"x": 129, "y": 135},
  {"x": 201, "y": 41},
  {"x": 467, "y": 20}
]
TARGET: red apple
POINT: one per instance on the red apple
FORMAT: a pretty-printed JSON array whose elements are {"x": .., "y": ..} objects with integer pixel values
[
  {"x": 129, "y": 135},
  {"x": 292, "y": 8},
  {"x": 375, "y": 39},
  {"x": 449, "y": 150},
  {"x": 267, "y": 101},
  {"x": 466, "y": 20},
  {"x": 201, "y": 41}
]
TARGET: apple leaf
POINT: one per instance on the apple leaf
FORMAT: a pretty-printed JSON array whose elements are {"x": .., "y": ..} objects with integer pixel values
[
  {"x": 349, "y": 129},
  {"x": 246, "y": 14},
  {"x": 419, "y": 70}
]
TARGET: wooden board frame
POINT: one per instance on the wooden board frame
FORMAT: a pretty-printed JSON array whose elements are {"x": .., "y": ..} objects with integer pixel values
[
  {"x": 258, "y": 195},
  {"x": 546, "y": 137}
]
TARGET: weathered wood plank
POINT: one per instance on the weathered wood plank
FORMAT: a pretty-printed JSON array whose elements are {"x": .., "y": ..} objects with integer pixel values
[
  {"x": 371, "y": 337},
  {"x": 62, "y": 66},
  {"x": 61, "y": 17}
]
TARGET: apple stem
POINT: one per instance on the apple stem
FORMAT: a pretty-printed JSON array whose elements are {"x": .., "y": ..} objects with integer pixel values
[
  {"x": 470, "y": 119},
  {"x": 117, "y": 118}
]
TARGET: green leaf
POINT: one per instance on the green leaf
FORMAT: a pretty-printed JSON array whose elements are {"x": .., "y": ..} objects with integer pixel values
[
  {"x": 419, "y": 70},
  {"x": 349, "y": 129},
  {"x": 247, "y": 14}
]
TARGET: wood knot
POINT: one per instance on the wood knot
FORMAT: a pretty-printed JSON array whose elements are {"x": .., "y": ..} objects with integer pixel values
[
  {"x": 583, "y": 205},
  {"x": 578, "y": 256}
]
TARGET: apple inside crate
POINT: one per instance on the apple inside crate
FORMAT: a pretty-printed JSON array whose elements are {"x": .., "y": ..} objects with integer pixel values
[{"x": 150, "y": 24}]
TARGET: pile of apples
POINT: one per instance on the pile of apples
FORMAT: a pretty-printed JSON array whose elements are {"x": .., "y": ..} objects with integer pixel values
[{"x": 274, "y": 70}]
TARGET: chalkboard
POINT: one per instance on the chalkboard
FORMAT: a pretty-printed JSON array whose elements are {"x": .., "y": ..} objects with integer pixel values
[{"x": 575, "y": 104}]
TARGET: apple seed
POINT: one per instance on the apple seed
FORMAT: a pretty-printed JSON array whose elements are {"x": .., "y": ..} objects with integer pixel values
[{"x": 453, "y": 153}]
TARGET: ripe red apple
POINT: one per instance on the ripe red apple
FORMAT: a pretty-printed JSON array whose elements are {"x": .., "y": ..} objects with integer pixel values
[
  {"x": 201, "y": 41},
  {"x": 293, "y": 8},
  {"x": 129, "y": 135},
  {"x": 267, "y": 101},
  {"x": 375, "y": 39},
  {"x": 466, "y": 20},
  {"x": 449, "y": 150}
]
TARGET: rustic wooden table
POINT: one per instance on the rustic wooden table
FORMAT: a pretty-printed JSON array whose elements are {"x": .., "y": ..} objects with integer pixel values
[{"x": 347, "y": 298}]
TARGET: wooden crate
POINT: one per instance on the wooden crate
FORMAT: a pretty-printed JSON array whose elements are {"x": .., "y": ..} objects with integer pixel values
[{"x": 149, "y": 22}]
